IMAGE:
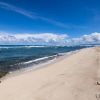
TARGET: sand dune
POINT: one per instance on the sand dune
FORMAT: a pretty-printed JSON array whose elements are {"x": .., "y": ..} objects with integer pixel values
[{"x": 75, "y": 77}]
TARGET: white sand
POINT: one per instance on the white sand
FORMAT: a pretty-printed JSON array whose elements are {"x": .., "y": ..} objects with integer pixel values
[{"x": 72, "y": 78}]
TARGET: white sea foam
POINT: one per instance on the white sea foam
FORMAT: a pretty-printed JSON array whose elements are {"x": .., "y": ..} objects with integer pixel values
[
  {"x": 32, "y": 46},
  {"x": 7, "y": 47},
  {"x": 39, "y": 59}
]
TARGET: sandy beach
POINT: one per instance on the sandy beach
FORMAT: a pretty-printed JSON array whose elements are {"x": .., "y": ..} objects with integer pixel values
[{"x": 75, "y": 77}]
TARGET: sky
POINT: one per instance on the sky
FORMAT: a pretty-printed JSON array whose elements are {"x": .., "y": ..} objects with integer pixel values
[{"x": 54, "y": 22}]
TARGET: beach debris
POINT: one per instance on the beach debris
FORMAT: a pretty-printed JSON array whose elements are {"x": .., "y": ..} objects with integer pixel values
[{"x": 98, "y": 83}]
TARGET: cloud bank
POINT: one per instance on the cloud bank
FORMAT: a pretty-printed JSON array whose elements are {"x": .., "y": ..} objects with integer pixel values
[
  {"x": 93, "y": 38},
  {"x": 34, "y": 39},
  {"x": 48, "y": 39}
]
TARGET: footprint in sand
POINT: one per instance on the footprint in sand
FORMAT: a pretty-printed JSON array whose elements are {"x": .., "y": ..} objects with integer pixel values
[
  {"x": 98, "y": 96},
  {"x": 98, "y": 83}
]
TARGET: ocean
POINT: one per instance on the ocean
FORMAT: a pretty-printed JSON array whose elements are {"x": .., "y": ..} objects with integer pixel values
[{"x": 15, "y": 57}]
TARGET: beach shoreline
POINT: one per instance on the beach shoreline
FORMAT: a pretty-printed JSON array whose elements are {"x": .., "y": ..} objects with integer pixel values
[
  {"x": 74, "y": 77},
  {"x": 38, "y": 66}
]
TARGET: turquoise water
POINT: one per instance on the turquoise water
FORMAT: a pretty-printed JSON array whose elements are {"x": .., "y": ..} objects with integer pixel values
[{"x": 14, "y": 57}]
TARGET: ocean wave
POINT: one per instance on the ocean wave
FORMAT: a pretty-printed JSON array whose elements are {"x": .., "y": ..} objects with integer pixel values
[
  {"x": 39, "y": 59},
  {"x": 9, "y": 47},
  {"x": 46, "y": 58},
  {"x": 32, "y": 63},
  {"x": 34, "y": 46},
  {"x": 30, "y": 46}
]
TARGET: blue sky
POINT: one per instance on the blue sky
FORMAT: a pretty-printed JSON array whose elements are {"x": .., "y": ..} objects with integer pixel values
[{"x": 71, "y": 17}]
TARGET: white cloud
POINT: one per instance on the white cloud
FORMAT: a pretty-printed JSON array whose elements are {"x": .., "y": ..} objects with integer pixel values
[
  {"x": 48, "y": 39},
  {"x": 88, "y": 39},
  {"x": 35, "y": 39}
]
